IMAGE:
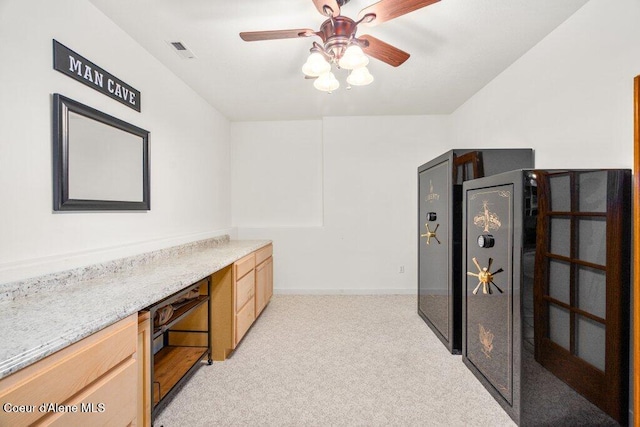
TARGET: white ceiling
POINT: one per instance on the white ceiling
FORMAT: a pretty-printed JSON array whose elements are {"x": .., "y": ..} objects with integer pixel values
[{"x": 456, "y": 47}]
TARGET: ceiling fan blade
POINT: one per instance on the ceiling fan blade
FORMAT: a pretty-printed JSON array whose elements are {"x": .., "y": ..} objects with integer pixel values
[
  {"x": 331, "y": 4},
  {"x": 385, "y": 10},
  {"x": 253, "y": 36},
  {"x": 383, "y": 51}
]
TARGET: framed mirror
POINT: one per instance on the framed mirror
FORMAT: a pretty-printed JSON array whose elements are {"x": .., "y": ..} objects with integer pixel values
[{"x": 99, "y": 162}]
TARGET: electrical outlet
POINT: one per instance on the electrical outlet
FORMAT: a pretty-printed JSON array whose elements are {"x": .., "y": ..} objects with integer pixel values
[{"x": 401, "y": 269}]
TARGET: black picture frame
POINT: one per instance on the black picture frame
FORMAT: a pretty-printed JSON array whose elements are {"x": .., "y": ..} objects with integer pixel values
[{"x": 62, "y": 106}]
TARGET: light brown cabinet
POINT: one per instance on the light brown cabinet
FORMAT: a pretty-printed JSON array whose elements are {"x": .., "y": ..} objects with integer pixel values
[
  {"x": 244, "y": 320},
  {"x": 91, "y": 382},
  {"x": 264, "y": 278},
  {"x": 239, "y": 293},
  {"x": 244, "y": 290},
  {"x": 143, "y": 357}
]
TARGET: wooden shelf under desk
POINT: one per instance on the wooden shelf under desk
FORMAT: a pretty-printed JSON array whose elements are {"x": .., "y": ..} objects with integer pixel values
[
  {"x": 171, "y": 364},
  {"x": 176, "y": 359}
]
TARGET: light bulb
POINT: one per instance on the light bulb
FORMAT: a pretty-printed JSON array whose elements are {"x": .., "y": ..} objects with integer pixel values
[
  {"x": 360, "y": 77},
  {"x": 353, "y": 58},
  {"x": 327, "y": 82},
  {"x": 316, "y": 65}
]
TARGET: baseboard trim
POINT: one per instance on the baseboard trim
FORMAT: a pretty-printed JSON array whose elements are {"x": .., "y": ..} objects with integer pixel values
[{"x": 411, "y": 291}]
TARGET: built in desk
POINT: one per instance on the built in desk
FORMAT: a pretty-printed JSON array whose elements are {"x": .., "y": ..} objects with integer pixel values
[{"x": 100, "y": 310}]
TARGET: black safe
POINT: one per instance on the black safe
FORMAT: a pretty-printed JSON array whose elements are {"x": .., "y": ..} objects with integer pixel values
[
  {"x": 440, "y": 231},
  {"x": 546, "y": 293}
]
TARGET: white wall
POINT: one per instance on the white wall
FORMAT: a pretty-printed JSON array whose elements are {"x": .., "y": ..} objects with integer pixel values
[
  {"x": 570, "y": 97},
  {"x": 277, "y": 161},
  {"x": 369, "y": 192},
  {"x": 189, "y": 144}
]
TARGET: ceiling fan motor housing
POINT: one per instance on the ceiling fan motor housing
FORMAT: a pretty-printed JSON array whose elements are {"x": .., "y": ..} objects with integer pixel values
[{"x": 337, "y": 33}]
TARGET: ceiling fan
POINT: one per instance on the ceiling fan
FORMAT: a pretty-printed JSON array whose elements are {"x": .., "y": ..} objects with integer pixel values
[{"x": 340, "y": 46}]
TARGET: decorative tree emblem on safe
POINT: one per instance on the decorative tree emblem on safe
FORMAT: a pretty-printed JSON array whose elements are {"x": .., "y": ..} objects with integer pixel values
[
  {"x": 429, "y": 234},
  {"x": 485, "y": 278},
  {"x": 486, "y": 339},
  {"x": 432, "y": 196},
  {"x": 487, "y": 219}
]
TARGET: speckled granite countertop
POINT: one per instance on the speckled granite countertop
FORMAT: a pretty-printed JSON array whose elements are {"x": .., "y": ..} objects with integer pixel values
[{"x": 42, "y": 315}]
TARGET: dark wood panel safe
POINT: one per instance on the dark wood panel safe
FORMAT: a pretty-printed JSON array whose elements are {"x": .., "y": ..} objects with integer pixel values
[
  {"x": 546, "y": 293},
  {"x": 440, "y": 231}
]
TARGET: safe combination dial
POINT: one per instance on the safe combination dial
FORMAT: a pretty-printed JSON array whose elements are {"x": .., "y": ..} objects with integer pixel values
[{"x": 486, "y": 241}]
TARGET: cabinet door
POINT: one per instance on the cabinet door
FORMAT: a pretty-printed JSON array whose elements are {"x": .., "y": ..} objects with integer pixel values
[
  {"x": 143, "y": 356},
  {"x": 269, "y": 281},
  {"x": 262, "y": 285}
]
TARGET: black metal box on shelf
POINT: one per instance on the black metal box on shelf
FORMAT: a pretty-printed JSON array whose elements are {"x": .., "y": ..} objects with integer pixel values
[
  {"x": 546, "y": 293},
  {"x": 440, "y": 231}
]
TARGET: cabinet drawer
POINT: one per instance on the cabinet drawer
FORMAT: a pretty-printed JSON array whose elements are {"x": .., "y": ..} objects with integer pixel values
[
  {"x": 110, "y": 401},
  {"x": 244, "y": 265},
  {"x": 59, "y": 376},
  {"x": 244, "y": 319},
  {"x": 245, "y": 289},
  {"x": 263, "y": 254}
]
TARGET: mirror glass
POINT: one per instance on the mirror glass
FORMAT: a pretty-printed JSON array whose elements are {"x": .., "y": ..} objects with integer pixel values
[
  {"x": 105, "y": 163},
  {"x": 100, "y": 162}
]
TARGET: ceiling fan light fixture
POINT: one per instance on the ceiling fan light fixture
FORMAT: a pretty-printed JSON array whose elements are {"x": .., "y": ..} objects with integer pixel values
[
  {"x": 316, "y": 65},
  {"x": 340, "y": 46},
  {"x": 326, "y": 82},
  {"x": 353, "y": 58},
  {"x": 360, "y": 77}
]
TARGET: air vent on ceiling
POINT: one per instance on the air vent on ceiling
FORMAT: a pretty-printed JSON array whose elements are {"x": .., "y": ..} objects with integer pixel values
[{"x": 183, "y": 51}]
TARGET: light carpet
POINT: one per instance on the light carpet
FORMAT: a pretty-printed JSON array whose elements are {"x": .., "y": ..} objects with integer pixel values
[{"x": 336, "y": 361}]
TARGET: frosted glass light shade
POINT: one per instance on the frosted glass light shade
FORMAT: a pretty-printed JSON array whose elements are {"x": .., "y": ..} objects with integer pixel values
[
  {"x": 316, "y": 65},
  {"x": 327, "y": 82},
  {"x": 353, "y": 58},
  {"x": 360, "y": 77}
]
